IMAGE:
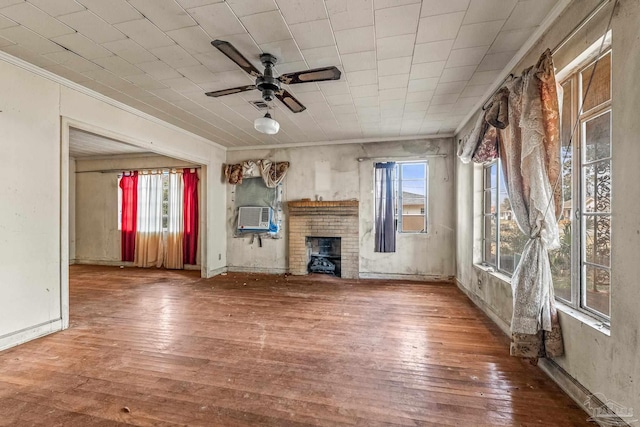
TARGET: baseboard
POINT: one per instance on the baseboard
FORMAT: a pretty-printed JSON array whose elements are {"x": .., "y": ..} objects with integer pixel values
[
  {"x": 216, "y": 272},
  {"x": 110, "y": 263},
  {"x": 264, "y": 270},
  {"x": 576, "y": 391},
  {"x": 22, "y": 336},
  {"x": 400, "y": 276}
]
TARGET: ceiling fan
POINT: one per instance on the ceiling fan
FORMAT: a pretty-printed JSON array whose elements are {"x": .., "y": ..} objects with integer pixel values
[{"x": 266, "y": 82}]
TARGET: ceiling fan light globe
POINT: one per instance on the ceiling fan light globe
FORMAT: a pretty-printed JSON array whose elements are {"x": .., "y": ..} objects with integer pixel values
[{"x": 266, "y": 125}]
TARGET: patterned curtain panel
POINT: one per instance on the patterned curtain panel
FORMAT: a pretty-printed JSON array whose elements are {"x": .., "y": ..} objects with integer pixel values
[
  {"x": 149, "y": 242},
  {"x": 385, "y": 227}
]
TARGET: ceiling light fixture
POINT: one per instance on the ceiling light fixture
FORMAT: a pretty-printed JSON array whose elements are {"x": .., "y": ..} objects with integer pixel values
[{"x": 266, "y": 125}]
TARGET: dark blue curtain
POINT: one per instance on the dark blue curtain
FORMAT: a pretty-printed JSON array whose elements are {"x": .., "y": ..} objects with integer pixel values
[{"x": 385, "y": 235}]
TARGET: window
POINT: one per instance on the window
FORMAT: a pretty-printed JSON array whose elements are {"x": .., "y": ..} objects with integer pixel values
[
  {"x": 586, "y": 182},
  {"x": 502, "y": 240},
  {"x": 165, "y": 201},
  {"x": 410, "y": 196}
]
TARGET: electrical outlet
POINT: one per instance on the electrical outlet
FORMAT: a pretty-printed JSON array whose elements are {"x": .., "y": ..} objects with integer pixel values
[{"x": 479, "y": 283}]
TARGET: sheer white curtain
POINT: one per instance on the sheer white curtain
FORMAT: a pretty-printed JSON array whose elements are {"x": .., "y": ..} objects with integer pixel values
[
  {"x": 175, "y": 223},
  {"x": 149, "y": 240}
]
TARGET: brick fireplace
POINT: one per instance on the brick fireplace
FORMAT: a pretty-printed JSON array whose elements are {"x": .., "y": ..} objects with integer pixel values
[{"x": 324, "y": 219}]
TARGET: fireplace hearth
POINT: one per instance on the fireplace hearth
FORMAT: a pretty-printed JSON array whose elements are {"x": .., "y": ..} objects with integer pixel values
[{"x": 324, "y": 255}]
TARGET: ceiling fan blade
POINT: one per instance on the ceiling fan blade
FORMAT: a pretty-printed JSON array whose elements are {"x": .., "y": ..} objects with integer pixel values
[
  {"x": 315, "y": 75},
  {"x": 230, "y": 91},
  {"x": 288, "y": 100},
  {"x": 232, "y": 53}
]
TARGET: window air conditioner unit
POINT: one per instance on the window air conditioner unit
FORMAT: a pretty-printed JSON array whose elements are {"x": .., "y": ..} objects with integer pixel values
[{"x": 254, "y": 218}]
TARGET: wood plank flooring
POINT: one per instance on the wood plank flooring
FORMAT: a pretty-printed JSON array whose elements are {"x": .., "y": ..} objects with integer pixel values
[{"x": 156, "y": 347}]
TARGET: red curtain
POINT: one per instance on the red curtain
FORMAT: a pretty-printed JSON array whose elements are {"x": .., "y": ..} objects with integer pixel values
[
  {"x": 190, "y": 242},
  {"x": 129, "y": 186}
]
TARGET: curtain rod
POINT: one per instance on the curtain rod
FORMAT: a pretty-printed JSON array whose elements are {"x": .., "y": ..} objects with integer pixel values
[
  {"x": 559, "y": 46},
  {"x": 391, "y": 158},
  {"x": 146, "y": 169}
]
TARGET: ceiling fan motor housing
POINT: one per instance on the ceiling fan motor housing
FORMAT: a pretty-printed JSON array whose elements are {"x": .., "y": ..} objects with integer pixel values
[{"x": 267, "y": 84}]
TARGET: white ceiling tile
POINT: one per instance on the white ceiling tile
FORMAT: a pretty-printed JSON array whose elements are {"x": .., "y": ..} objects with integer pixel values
[
  {"x": 346, "y": 14},
  {"x": 360, "y": 78},
  {"x": 243, "y": 7},
  {"x": 321, "y": 56},
  {"x": 382, "y": 4},
  {"x": 393, "y": 82},
  {"x": 55, "y": 8},
  {"x": 112, "y": 11},
  {"x": 433, "y": 51},
  {"x": 118, "y": 66},
  {"x": 468, "y": 56},
  {"x": 474, "y": 90},
  {"x": 420, "y": 85},
  {"x": 247, "y": 46},
  {"x": 27, "y": 55},
  {"x": 72, "y": 61},
  {"x": 159, "y": 70},
  {"x": 413, "y": 107},
  {"x": 388, "y": 67},
  {"x": 342, "y": 99},
  {"x": 395, "y": 21},
  {"x": 81, "y": 45},
  {"x": 367, "y": 101},
  {"x": 528, "y": 14},
  {"x": 510, "y": 40},
  {"x": 167, "y": 15},
  {"x": 427, "y": 69},
  {"x": 440, "y": 108},
  {"x": 392, "y": 94},
  {"x": 359, "y": 61},
  {"x": 488, "y": 10},
  {"x": 182, "y": 84},
  {"x": 440, "y": 27},
  {"x": 298, "y": 11},
  {"x": 175, "y": 56},
  {"x": 215, "y": 61},
  {"x": 107, "y": 78},
  {"x": 313, "y": 34},
  {"x": 290, "y": 67},
  {"x": 355, "y": 40},
  {"x": 30, "y": 40},
  {"x": 130, "y": 51},
  {"x": 266, "y": 27},
  {"x": 6, "y": 23},
  {"x": 339, "y": 110},
  {"x": 91, "y": 26},
  {"x": 484, "y": 77},
  {"x": 145, "y": 33},
  {"x": 285, "y": 50},
  {"x": 496, "y": 61},
  {"x": 304, "y": 88},
  {"x": 218, "y": 20},
  {"x": 442, "y": 7},
  {"x": 450, "y": 88},
  {"x": 334, "y": 88},
  {"x": 482, "y": 34},
  {"x": 444, "y": 99},
  {"x": 364, "y": 91},
  {"x": 146, "y": 82},
  {"x": 422, "y": 96},
  {"x": 192, "y": 39},
  {"x": 36, "y": 20},
  {"x": 457, "y": 74},
  {"x": 197, "y": 74},
  {"x": 396, "y": 46},
  {"x": 310, "y": 98}
]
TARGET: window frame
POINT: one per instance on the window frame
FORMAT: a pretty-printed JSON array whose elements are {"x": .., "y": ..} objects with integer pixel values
[
  {"x": 579, "y": 213},
  {"x": 486, "y": 168}
]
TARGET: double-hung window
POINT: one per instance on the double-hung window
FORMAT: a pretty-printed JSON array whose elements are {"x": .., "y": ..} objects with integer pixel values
[
  {"x": 582, "y": 266},
  {"x": 502, "y": 240}
]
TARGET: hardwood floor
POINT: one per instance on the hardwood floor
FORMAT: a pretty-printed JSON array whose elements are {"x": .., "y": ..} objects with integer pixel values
[{"x": 155, "y": 347}]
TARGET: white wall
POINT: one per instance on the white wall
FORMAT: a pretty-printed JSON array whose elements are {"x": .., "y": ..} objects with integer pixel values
[
  {"x": 334, "y": 173},
  {"x": 34, "y": 239},
  {"x": 601, "y": 363},
  {"x": 98, "y": 237}
]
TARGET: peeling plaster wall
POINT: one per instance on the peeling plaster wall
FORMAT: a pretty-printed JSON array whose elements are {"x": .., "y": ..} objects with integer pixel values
[
  {"x": 599, "y": 362},
  {"x": 98, "y": 237},
  {"x": 334, "y": 173}
]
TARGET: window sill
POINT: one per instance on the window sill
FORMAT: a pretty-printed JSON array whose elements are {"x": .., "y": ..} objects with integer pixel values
[
  {"x": 578, "y": 315},
  {"x": 584, "y": 318}
]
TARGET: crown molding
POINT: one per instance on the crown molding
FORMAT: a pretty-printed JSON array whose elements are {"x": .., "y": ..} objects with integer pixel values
[
  {"x": 551, "y": 17},
  {"x": 21, "y": 63},
  {"x": 342, "y": 142}
]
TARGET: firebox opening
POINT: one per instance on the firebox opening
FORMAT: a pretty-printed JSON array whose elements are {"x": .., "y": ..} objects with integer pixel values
[{"x": 323, "y": 255}]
